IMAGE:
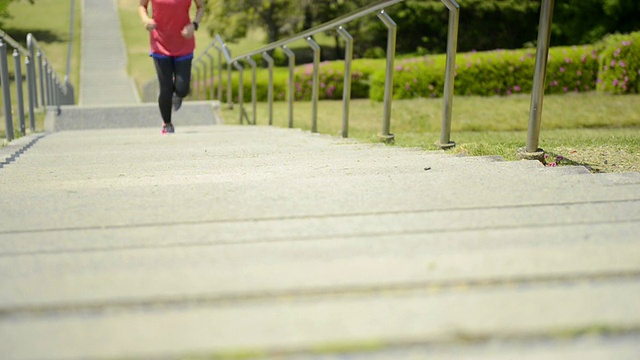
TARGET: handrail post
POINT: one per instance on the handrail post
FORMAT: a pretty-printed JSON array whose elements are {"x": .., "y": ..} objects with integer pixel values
[
  {"x": 270, "y": 63},
  {"x": 254, "y": 89},
  {"x": 315, "y": 92},
  {"x": 31, "y": 89},
  {"x": 220, "y": 75},
  {"x": 240, "y": 89},
  {"x": 47, "y": 84},
  {"x": 211, "y": 76},
  {"x": 531, "y": 151},
  {"x": 31, "y": 70},
  {"x": 196, "y": 84},
  {"x": 19, "y": 91},
  {"x": 292, "y": 63},
  {"x": 385, "y": 135},
  {"x": 452, "y": 45},
  {"x": 346, "y": 93},
  {"x": 202, "y": 85},
  {"x": 6, "y": 91},
  {"x": 57, "y": 93},
  {"x": 41, "y": 77}
]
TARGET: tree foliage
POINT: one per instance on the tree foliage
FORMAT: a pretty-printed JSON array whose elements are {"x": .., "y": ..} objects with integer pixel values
[
  {"x": 422, "y": 24},
  {"x": 232, "y": 18}
]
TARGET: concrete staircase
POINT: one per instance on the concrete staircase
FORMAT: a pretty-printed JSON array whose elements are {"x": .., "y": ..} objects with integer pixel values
[
  {"x": 254, "y": 242},
  {"x": 274, "y": 243}
]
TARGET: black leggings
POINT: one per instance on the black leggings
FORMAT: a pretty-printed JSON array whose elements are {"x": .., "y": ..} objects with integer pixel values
[{"x": 174, "y": 76}]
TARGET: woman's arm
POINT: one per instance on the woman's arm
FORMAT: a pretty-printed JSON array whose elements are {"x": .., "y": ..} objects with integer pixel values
[
  {"x": 200, "y": 10},
  {"x": 149, "y": 24},
  {"x": 188, "y": 30}
]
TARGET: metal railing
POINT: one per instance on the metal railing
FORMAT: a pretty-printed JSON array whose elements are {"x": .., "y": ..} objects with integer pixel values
[
  {"x": 41, "y": 80},
  {"x": 205, "y": 61}
]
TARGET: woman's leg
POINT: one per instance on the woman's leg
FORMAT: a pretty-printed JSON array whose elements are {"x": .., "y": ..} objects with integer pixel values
[
  {"x": 165, "y": 71},
  {"x": 183, "y": 77}
]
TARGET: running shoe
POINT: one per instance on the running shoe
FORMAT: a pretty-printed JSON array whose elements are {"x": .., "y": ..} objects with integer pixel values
[
  {"x": 168, "y": 129},
  {"x": 176, "y": 101}
]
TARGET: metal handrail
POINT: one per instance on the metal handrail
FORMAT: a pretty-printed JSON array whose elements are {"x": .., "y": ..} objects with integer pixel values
[
  {"x": 331, "y": 25},
  {"x": 338, "y": 26},
  {"x": 39, "y": 75},
  {"x": 14, "y": 44}
]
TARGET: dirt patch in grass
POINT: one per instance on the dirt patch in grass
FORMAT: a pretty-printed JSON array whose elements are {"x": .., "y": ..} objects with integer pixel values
[{"x": 596, "y": 159}]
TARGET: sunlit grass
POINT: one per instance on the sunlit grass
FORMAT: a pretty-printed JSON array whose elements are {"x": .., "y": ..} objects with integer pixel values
[{"x": 600, "y": 131}]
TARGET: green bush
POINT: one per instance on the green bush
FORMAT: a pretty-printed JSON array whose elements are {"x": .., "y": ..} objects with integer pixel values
[
  {"x": 498, "y": 72},
  {"x": 331, "y": 76},
  {"x": 620, "y": 64}
]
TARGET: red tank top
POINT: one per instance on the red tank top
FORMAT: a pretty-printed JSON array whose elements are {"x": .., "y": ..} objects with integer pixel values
[{"x": 171, "y": 16}]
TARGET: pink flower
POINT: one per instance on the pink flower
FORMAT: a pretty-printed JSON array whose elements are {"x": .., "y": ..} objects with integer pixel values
[
  {"x": 615, "y": 82},
  {"x": 579, "y": 72},
  {"x": 613, "y": 63},
  {"x": 552, "y": 164},
  {"x": 399, "y": 68},
  {"x": 330, "y": 90},
  {"x": 626, "y": 43},
  {"x": 622, "y": 63},
  {"x": 568, "y": 60},
  {"x": 562, "y": 70},
  {"x": 565, "y": 89}
]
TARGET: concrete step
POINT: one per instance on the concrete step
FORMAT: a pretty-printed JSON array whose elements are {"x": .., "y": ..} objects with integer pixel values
[
  {"x": 285, "y": 326},
  {"x": 132, "y": 116}
]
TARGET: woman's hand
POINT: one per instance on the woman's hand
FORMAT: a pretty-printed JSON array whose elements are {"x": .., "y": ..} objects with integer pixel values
[
  {"x": 187, "y": 31},
  {"x": 149, "y": 24}
]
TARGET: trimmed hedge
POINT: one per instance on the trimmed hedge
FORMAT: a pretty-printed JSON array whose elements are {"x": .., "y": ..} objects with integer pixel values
[
  {"x": 498, "y": 72},
  {"x": 615, "y": 70},
  {"x": 331, "y": 75},
  {"x": 620, "y": 64}
]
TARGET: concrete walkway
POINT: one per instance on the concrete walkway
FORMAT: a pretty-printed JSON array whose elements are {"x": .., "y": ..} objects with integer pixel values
[
  {"x": 266, "y": 243},
  {"x": 272, "y": 243},
  {"x": 103, "y": 69}
]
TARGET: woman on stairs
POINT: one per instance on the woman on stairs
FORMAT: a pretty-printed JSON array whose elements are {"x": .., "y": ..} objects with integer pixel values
[{"x": 172, "y": 43}]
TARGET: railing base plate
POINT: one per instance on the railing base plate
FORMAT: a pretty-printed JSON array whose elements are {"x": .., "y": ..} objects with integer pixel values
[
  {"x": 447, "y": 146},
  {"x": 523, "y": 154},
  {"x": 387, "y": 139}
]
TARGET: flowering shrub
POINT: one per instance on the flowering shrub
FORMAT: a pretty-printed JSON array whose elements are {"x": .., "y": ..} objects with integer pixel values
[
  {"x": 499, "y": 72},
  {"x": 620, "y": 64},
  {"x": 331, "y": 77}
]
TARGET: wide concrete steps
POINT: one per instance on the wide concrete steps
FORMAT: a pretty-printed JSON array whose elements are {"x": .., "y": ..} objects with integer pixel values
[
  {"x": 261, "y": 242},
  {"x": 119, "y": 116}
]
